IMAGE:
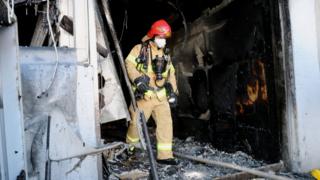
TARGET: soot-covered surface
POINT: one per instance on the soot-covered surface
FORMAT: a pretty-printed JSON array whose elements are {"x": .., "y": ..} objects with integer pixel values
[
  {"x": 186, "y": 169},
  {"x": 137, "y": 166}
]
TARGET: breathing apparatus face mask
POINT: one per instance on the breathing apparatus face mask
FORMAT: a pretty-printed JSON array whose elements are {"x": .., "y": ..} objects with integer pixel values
[
  {"x": 159, "y": 65},
  {"x": 160, "y": 42}
]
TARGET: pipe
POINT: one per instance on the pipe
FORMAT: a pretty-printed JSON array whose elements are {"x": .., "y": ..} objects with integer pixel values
[
  {"x": 48, "y": 161},
  {"x": 92, "y": 152},
  {"x": 244, "y": 175},
  {"x": 231, "y": 166},
  {"x": 149, "y": 148}
]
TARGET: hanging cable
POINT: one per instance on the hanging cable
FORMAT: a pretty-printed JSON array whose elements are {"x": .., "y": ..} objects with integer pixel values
[
  {"x": 124, "y": 25},
  {"x": 184, "y": 22},
  {"x": 55, "y": 49}
]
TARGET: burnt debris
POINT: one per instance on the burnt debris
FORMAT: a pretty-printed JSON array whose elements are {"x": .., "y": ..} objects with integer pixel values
[{"x": 186, "y": 169}]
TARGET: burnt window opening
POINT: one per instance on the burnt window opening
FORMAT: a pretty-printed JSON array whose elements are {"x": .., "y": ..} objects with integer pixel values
[
  {"x": 101, "y": 84},
  {"x": 32, "y": 21},
  {"x": 199, "y": 91},
  {"x": 228, "y": 100}
]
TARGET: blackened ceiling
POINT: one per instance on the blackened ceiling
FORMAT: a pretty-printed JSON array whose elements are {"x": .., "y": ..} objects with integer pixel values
[{"x": 142, "y": 13}]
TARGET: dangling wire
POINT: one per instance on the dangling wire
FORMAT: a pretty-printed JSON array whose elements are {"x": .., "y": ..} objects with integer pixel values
[
  {"x": 124, "y": 25},
  {"x": 55, "y": 49},
  {"x": 184, "y": 22}
]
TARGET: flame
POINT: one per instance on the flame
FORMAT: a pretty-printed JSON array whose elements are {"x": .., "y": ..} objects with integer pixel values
[
  {"x": 256, "y": 88},
  {"x": 263, "y": 81},
  {"x": 252, "y": 92}
]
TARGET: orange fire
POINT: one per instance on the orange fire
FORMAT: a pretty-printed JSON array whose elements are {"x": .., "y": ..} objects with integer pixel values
[{"x": 256, "y": 88}]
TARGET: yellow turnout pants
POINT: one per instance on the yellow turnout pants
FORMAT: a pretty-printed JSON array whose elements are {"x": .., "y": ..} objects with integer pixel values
[{"x": 160, "y": 111}]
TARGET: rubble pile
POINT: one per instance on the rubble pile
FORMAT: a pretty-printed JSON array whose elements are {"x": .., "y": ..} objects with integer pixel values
[{"x": 186, "y": 169}]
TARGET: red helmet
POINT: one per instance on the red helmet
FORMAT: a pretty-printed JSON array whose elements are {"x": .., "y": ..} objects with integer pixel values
[{"x": 160, "y": 28}]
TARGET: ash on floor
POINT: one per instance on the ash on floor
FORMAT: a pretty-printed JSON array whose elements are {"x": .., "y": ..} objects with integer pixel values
[{"x": 186, "y": 169}]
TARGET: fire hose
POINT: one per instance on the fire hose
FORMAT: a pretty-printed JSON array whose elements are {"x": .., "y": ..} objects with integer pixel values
[{"x": 141, "y": 117}]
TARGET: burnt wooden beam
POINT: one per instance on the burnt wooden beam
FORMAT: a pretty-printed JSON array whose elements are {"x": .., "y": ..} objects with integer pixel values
[
  {"x": 26, "y": 1},
  {"x": 255, "y": 172},
  {"x": 67, "y": 24},
  {"x": 41, "y": 31},
  {"x": 244, "y": 175}
]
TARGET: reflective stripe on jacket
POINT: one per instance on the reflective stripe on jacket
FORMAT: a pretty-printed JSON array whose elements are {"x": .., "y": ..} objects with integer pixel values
[{"x": 136, "y": 70}]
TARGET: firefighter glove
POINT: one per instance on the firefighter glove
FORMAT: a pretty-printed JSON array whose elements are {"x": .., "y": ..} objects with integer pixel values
[
  {"x": 173, "y": 100},
  {"x": 142, "y": 83},
  {"x": 172, "y": 97}
]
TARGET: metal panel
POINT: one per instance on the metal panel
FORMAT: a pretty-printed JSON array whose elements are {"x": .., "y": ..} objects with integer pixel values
[
  {"x": 112, "y": 102},
  {"x": 37, "y": 67},
  {"x": 12, "y": 127},
  {"x": 3, "y": 157},
  {"x": 114, "y": 105},
  {"x": 303, "y": 126},
  {"x": 317, "y": 7},
  {"x": 87, "y": 83},
  {"x": 1, "y": 103}
]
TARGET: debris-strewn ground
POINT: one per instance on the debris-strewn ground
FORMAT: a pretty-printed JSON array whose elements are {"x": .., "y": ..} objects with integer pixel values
[
  {"x": 186, "y": 169},
  {"x": 298, "y": 176},
  {"x": 138, "y": 165}
]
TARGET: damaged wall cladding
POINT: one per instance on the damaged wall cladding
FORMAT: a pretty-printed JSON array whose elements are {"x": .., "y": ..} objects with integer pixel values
[
  {"x": 226, "y": 68},
  {"x": 37, "y": 67},
  {"x": 303, "y": 117},
  {"x": 111, "y": 98}
]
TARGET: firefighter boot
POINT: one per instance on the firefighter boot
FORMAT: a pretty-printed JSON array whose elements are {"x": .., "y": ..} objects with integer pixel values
[
  {"x": 170, "y": 161},
  {"x": 131, "y": 150}
]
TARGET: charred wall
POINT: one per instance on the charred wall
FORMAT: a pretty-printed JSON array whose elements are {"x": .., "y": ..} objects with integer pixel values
[
  {"x": 234, "y": 49},
  {"x": 225, "y": 69}
]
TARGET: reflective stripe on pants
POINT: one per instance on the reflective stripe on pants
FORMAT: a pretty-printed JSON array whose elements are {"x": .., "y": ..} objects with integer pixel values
[{"x": 160, "y": 111}]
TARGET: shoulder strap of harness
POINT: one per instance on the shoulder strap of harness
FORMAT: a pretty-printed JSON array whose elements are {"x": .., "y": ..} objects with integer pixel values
[{"x": 142, "y": 60}]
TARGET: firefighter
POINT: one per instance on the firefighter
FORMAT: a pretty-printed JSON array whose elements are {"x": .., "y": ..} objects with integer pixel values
[{"x": 152, "y": 75}]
